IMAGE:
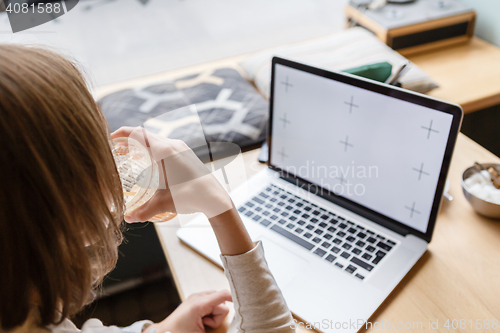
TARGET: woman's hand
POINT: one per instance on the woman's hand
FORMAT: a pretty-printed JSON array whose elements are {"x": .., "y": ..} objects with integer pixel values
[
  {"x": 186, "y": 185},
  {"x": 196, "y": 312}
]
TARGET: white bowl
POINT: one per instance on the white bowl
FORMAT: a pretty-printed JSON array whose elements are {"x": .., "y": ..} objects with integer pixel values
[{"x": 481, "y": 206}]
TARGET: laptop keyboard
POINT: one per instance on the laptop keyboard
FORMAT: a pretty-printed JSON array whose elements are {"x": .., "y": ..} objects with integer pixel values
[{"x": 340, "y": 242}]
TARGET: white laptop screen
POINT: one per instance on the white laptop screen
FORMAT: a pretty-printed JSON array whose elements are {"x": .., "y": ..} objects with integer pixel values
[{"x": 378, "y": 151}]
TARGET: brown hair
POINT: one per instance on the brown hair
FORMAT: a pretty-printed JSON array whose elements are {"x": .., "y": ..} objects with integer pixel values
[{"x": 61, "y": 203}]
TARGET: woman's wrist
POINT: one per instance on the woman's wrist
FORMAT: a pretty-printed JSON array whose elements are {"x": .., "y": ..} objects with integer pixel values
[
  {"x": 231, "y": 233},
  {"x": 218, "y": 204}
]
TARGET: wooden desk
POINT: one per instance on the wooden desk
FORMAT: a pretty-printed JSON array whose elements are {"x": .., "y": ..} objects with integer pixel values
[
  {"x": 468, "y": 74},
  {"x": 457, "y": 278}
]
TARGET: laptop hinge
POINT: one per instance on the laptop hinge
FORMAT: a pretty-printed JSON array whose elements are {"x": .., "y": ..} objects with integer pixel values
[{"x": 353, "y": 207}]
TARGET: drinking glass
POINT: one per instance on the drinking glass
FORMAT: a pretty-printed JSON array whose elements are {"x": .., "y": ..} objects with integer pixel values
[{"x": 139, "y": 175}]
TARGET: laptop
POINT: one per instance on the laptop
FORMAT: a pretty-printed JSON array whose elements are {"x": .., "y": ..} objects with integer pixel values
[{"x": 349, "y": 200}]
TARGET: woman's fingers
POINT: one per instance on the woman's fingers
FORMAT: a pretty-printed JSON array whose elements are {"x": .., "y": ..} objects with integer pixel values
[
  {"x": 217, "y": 317},
  {"x": 212, "y": 308},
  {"x": 160, "y": 203},
  {"x": 219, "y": 297},
  {"x": 124, "y": 131},
  {"x": 159, "y": 147}
]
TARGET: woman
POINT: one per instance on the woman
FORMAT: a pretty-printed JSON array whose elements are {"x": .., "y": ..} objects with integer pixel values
[{"x": 61, "y": 210}]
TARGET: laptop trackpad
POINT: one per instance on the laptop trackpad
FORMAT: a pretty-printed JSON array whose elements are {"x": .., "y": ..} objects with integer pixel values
[{"x": 284, "y": 265}]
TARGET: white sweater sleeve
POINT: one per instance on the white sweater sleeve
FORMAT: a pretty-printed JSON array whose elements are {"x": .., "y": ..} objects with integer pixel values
[{"x": 258, "y": 302}]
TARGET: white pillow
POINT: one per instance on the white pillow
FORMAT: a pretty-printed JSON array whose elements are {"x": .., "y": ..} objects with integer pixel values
[{"x": 343, "y": 50}]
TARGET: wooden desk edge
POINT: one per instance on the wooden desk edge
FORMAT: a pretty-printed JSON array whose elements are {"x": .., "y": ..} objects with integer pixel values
[{"x": 170, "y": 265}]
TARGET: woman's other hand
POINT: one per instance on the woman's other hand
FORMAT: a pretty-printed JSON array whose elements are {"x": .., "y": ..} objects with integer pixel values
[{"x": 196, "y": 312}]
